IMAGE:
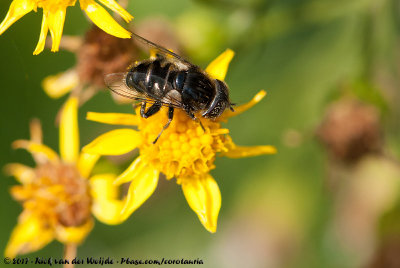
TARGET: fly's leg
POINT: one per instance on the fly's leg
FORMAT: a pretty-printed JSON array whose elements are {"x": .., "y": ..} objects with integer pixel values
[
  {"x": 151, "y": 111},
  {"x": 193, "y": 117},
  {"x": 143, "y": 109},
  {"x": 170, "y": 117},
  {"x": 202, "y": 127}
]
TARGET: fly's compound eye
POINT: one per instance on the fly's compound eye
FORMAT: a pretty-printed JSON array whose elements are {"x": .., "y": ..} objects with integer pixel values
[
  {"x": 220, "y": 101},
  {"x": 217, "y": 110}
]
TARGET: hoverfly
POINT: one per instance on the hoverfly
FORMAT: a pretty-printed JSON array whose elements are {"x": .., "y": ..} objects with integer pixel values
[{"x": 171, "y": 81}]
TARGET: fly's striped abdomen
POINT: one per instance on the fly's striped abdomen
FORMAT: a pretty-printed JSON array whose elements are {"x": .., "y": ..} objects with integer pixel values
[{"x": 152, "y": 78}]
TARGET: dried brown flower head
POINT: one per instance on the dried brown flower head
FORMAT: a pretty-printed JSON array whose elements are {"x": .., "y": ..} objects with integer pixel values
[
  {"x": 102, "y": 54},
  {"x": 350, "y": 130}
]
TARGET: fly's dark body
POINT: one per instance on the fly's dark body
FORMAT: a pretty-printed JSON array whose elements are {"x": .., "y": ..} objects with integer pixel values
[
  {"x": 168, "y": 80},
  {"x": 189, "y": 89}
]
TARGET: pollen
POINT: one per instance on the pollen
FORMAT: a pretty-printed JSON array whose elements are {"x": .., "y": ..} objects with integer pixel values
[
  {"x": 184, "y": 148},
  {"x": 58, "y": 194}
]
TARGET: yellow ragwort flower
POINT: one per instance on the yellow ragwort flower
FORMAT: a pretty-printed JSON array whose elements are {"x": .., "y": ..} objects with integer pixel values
[
  {"x": 54, "y": 16},
  {"x": 57, "y": 196},
  {"x": 184, "y": 151}
]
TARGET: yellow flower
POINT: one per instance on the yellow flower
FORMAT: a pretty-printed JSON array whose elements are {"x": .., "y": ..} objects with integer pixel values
[
  {"x": 184, "y": 151},
  {"x": 57, "y": 196},
  {"x": 54, "y": 16}
]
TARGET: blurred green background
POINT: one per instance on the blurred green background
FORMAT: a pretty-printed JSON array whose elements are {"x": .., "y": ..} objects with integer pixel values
[{"x": 279, "y": 210}]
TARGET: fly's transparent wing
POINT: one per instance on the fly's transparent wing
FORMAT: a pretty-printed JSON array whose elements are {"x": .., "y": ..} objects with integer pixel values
[
  {"x": 162, "y": 51},
  {"x": 116, "y": 82}
]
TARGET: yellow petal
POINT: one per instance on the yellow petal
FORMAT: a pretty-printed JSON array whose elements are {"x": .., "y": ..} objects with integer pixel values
[
  {"x": 114, "y": 6},
  {"x": 21, "y": 192},
  {"x": 60, "y": 84},
  {"x": 242, "y": 108},
  {"x": 203, "y": 196},
  {"x": 35, "y": 130},
  {"x": 69, "y": 133},
  {"x": 134, "y": 170},
  {"x": 102, "y": 186},
  {"x": 106, "y": 205},
  {"x": 140, "y": 189},
  {"x": 247, "y": 151},
  {"x": 43, "y": 34},
  {"x": 218, "y": 68},
  {"x": 86, "y": 163},
  {"x": 113, "y": 118},
  {"x": 18, "y": 9},
  {"x": 29, "y": 235},
  {"x": 55, "y": 21},
  {"x": 115, "y": 142},
  {"x": 74, "y": 234},
  {"x": 22, "y": 173},
  {"x": 39, "y": 151},
  {"x": 103, "y": 20}
]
